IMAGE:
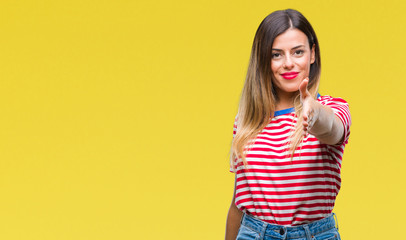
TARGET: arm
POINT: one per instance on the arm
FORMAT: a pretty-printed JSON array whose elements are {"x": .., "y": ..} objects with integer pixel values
[
  {"x": 233, "y": 218},
  {"x": 320, "y": 120}
]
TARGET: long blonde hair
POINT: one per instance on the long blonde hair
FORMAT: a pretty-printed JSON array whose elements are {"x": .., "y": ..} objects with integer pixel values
[{"x": 258, "y": 98}]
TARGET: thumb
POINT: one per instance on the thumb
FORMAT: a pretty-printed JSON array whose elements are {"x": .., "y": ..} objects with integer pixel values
[{"x": 303, "y": 88}]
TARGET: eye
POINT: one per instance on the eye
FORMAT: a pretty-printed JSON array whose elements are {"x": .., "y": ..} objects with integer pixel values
[
  {"x": 275, "y": 55},
  {"x": 299, "y": 52}
]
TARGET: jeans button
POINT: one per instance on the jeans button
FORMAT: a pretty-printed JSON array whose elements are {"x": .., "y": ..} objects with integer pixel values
[{"x": 281, "y": 231}]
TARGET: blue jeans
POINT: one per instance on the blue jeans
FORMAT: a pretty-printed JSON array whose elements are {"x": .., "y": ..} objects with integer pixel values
[{"x": 254, "y": 229}]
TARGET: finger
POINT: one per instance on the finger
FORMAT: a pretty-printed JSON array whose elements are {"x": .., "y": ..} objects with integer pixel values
[
  {"x": 306, "y": 112},
  {"x": 304, "y": 131},
  {"x": 303, "y": 88},
  {"x": 305, "y": 125}
]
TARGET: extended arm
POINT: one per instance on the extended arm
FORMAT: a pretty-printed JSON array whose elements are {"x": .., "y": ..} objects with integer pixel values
[{"x": 320, "y": 120}]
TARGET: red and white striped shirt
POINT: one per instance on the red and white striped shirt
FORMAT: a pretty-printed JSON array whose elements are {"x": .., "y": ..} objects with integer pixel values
[{"x": 284, "y": 192}]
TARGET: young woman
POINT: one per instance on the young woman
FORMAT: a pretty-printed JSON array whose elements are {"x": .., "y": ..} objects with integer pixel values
[{"x": 288, "y": 140}]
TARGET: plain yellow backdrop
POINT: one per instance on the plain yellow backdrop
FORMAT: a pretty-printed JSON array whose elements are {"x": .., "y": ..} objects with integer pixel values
[{"x": 117, "y": 116}]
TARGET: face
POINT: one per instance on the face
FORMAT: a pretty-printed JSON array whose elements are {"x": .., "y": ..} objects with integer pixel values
[{"x": 291, "y": 59}]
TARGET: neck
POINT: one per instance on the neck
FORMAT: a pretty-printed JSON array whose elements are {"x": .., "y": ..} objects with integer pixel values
[{"x": 285, "y": 100}]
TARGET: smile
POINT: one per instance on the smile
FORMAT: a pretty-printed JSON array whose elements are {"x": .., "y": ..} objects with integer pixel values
[{"x": 290, "y": 75}]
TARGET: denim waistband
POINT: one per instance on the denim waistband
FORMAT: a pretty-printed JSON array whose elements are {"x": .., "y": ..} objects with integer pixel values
[{"x": 289, "y": 232}]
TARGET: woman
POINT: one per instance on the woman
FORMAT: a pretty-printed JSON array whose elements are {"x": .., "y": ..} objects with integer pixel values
[{"x": 289, "y": 139}]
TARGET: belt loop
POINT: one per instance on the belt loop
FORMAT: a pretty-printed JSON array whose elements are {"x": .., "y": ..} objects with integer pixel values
[
  {"x": 307, "y": 230},
  {"x": 262, "y": 234},
  {"x": 336, "y": 220}
]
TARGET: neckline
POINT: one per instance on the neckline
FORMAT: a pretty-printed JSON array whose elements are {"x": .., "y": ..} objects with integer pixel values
[
  {"x": 283, "y": 111},
  {"x": 288, "y": 110}
]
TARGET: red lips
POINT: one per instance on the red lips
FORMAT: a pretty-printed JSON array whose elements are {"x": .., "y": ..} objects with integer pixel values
[{"x": 289, "y": 75}]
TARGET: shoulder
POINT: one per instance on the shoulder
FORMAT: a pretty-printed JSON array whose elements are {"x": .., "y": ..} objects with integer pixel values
[
  {"x": 338, "y": 105},
  {"x": 341, "y": 110},
  {"x": 328, "y": 100}
]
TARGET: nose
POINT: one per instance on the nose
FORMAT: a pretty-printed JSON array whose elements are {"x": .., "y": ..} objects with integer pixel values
[{"x": 288, "y": 63}]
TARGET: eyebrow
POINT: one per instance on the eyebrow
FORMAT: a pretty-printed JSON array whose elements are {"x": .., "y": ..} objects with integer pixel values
[{"x": 292, "y": 48}]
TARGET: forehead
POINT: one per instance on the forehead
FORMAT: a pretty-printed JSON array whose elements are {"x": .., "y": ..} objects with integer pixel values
[{"x": 290, "y": 39}]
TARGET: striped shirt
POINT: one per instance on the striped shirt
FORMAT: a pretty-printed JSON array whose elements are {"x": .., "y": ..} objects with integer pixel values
[{"x": 284, "y": 192}]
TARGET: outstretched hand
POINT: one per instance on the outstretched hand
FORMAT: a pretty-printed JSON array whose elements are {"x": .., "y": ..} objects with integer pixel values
[{"x": 309, "y": 114}]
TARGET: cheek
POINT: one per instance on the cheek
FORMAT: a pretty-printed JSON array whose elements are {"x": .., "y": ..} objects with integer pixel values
[
  {"x": 304, "y": 64},
  {"x": 275, "y": 66}
]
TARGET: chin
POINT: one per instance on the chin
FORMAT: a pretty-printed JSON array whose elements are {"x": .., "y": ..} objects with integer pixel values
[{"x": 291, "y": 89}]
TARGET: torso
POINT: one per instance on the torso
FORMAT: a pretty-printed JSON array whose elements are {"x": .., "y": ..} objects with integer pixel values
[{"x": 282, "y": 192}]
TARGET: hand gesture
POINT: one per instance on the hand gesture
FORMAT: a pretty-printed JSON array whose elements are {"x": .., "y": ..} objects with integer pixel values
[{"x": 309, "y": 113}]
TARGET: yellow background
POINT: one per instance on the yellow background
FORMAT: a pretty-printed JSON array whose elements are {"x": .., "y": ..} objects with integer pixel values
[{"x": 117, "y": 116}]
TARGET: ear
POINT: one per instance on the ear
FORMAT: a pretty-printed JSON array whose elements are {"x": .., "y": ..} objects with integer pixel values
[{"x": 312, "y": 57}]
